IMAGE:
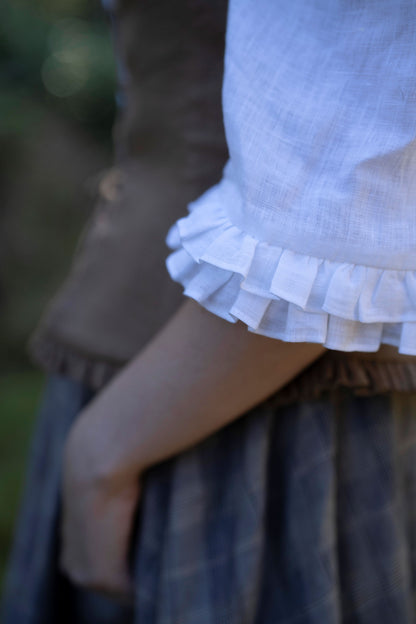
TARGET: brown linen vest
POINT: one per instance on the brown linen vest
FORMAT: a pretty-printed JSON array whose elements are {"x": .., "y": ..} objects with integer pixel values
[{"x": 169, "y": 148}]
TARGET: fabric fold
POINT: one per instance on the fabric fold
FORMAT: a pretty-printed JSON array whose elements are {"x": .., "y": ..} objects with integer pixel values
[
  {"x": 287, "y": 295},
  {"x": 365, "y": 377}
]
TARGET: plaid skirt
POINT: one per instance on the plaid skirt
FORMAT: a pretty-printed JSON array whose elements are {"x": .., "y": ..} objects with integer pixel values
[{"x": 296, "y": 513}]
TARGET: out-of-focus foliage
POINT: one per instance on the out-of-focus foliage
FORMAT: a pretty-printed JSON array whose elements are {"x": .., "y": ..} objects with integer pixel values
[
  {"x": 59, "y": 53},
  {"x": 57, "y": 84}
]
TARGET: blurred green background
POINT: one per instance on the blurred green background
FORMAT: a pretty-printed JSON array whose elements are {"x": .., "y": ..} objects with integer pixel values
[{"x": 57, "y": 83}]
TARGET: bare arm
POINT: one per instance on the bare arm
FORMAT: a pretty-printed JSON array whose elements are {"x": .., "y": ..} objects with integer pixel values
[{"x": 199, "y": 373}]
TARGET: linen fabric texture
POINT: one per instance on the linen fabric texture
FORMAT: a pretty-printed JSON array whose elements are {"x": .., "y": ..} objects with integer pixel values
[{"x": 310, "y": 235}]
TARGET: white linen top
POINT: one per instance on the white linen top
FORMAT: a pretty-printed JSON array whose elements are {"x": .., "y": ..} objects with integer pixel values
[{"x": 310, "y": 235}]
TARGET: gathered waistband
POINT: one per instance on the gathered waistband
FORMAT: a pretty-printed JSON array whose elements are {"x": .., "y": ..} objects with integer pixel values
[{"x": 366, "y": 373}]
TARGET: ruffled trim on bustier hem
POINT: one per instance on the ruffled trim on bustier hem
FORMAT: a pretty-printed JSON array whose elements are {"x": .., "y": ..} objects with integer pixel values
[
  {"x": 56, "y": 357},
  {"x": 287, "y": 295},
  {"x": 362, "y": 377},
  {"x": 328, "y": 373}
]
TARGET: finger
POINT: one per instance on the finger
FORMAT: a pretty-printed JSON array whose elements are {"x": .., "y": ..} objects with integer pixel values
[
  {"x": 95, "y": 543},
  {"x": 117, "y": 587}
]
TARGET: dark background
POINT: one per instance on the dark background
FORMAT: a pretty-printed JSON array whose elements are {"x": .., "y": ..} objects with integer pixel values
[{"x": 57, "y": 107}]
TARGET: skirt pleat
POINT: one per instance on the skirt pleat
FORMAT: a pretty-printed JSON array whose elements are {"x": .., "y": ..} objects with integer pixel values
[{"x": 295, "y": 514}]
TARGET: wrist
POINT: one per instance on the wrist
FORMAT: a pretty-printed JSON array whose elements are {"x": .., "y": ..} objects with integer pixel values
[{"x": 94, "y": 456}]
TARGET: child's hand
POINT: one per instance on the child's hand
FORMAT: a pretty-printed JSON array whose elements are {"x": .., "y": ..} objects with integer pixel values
[
  {"x": 195, "y": 376},
  {"x": 97, "y": 519}
]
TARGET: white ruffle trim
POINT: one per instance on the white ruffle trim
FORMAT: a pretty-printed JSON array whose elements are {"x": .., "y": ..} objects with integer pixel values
[{"x": 287, "y": 295}]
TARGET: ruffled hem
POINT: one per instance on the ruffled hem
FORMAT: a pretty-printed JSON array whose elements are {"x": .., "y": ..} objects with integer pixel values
[
  {"x": 331, "y": 371},
  {"x": 286, "y": 295},
  {"x": 364, "y": 377},
  {"x": 56, "y": 357}
]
